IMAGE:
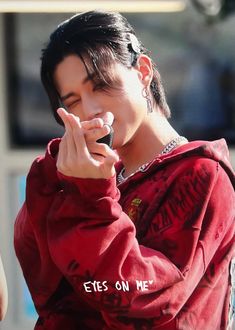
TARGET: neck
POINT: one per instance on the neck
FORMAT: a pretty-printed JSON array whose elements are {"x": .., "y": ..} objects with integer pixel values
[{"x": 149, "y": 141}]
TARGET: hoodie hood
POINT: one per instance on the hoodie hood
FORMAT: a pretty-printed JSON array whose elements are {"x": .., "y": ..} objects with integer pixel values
[{"x": 216, "y": 150}]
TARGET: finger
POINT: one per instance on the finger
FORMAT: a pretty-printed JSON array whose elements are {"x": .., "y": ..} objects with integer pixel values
[
  {"x": 62, "y": 155},
  {"x": 78, "y": 136},
  {"x": 97, "y": 133},
  {"x": 108, "y": 118},
  {"x": 68, "y": 147},
  {"x": 93, "y": 123},
  {"x": 112, "y": 157},
  {"x": 107, "y": 165},
  {"x": 104, "y": 151},
  {"x": 63, "y": 114},
  {"x": 96, "y": 148}
]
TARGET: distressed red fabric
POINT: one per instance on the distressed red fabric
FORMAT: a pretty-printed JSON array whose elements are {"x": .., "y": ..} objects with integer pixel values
[{"x": 150, "y": 253}]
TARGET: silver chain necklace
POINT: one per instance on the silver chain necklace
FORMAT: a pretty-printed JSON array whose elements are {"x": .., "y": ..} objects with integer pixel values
[{"x": 167, "y": 149}]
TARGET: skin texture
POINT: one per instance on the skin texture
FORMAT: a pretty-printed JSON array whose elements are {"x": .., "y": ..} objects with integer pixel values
[
  {"x": 88, "y": 107},
  {"x": 3, "y": 292}
]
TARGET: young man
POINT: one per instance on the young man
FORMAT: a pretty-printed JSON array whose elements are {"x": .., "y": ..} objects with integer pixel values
[{"x": 137, "y": 236}]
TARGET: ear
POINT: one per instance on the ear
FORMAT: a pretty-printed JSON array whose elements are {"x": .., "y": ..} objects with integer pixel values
[{"x": 145, "y": 69}]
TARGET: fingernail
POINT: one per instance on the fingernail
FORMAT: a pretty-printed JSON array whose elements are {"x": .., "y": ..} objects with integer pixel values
[{"x": 60, "y": 110}]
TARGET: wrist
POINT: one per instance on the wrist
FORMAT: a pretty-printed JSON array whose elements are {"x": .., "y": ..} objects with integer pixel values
[{"x": 90, "y": 188}]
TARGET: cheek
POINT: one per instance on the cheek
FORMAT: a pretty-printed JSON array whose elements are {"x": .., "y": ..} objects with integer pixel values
[
  {"x": 129, "y": 104},
  {"x": 129, "y": 115},
  {"x": 135, "y": 96},
  {"x": 127, "y": 108},
  {"x": 137, "y": 103},
  {"x": 132, "y": 94},
  {"x": 134, "y": 88}
]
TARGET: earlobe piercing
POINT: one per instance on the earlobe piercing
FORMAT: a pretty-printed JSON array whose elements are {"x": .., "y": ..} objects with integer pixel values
[{"x": 146, "y": 95}]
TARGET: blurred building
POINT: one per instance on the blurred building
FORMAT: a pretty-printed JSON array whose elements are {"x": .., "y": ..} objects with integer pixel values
[{"x": 196, "y": 59}]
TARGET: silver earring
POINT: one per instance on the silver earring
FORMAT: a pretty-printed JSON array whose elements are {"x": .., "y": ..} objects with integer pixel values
[{"x": 146, "y": 95}]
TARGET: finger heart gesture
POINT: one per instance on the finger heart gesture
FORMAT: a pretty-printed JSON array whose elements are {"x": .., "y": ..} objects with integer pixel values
[{"x": 79, "y": 154}]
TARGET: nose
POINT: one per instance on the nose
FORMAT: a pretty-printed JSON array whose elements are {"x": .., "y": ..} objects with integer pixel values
[{"x": 91, "y": 109}]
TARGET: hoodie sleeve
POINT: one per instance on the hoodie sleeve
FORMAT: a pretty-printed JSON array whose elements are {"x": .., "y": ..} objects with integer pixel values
[
  {"x": 30, "y": 236},
  {"x": 93, "y": 243}
]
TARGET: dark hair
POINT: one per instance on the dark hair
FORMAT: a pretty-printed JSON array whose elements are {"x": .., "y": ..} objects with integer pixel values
[{"x": 99, "y": 39}]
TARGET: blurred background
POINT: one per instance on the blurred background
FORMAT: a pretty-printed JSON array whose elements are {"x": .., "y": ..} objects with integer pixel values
[{"x": 192, "y": 43}]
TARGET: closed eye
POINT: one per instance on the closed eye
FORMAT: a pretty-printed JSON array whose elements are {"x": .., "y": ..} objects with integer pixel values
[{"x": 73, "y": 103}]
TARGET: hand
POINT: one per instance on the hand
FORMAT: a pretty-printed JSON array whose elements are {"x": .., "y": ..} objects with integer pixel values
[{"x": 79, "y": 154}]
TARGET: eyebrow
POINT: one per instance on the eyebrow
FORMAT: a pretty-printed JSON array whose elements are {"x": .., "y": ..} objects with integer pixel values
[{"x": 70, "y": 94}]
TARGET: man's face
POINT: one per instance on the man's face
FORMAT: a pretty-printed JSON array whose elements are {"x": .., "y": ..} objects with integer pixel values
[{"x": 82, "y": 97}]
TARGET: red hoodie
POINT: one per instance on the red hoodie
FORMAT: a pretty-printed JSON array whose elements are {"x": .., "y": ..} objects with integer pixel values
[{"x": 151, "y": 253}]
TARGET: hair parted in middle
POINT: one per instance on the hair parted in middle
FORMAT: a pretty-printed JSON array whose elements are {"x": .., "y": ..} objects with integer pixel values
[{"x": 99, "y": 39}]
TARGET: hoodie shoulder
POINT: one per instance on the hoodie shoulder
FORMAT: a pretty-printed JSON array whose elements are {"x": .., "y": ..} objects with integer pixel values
[
  {"x": 42, "y": 175},
  {"x": 215, "y": 150}
]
